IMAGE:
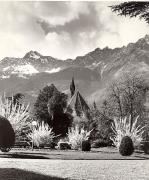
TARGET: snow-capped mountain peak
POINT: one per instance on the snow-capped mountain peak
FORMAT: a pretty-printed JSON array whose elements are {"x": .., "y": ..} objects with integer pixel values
[{"x": 33, "y": 55}]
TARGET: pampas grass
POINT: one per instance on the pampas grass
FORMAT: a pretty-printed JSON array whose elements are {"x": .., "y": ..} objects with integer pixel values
[
  {"x": 76, "y": 136},
  {"x": 41, "y": 135},
  {"x": 16, "y": 114},
  {"x": 122, "y": 127}
]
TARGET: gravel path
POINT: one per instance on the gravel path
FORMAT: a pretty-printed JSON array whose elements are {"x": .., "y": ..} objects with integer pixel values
[{"x": 83, "y": 169}]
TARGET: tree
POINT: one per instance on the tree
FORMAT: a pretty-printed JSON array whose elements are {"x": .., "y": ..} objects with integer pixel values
[
  {"x": 133, "y": 9},
  {"x": 72, "y": 87},
  {"x": 40, "y": 107},
  {"x": 60, "y": 120},
  {"x": 17, "y": 97},
  {"x": 126, "y": 97},
  {"x": 50, "y": 107},
  {"x": 101, "y": 125}
]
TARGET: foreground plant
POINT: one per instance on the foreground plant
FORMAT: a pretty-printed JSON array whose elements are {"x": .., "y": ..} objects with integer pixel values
[
  {"x": 124, "y": 127},
  {"x": 7, "y": 135},
  {"x": 126, "y": 146},
  {"x": 42, "y": 135},
  {"x": 17, "y": 114},
  {"x": 76, "y": 136}
]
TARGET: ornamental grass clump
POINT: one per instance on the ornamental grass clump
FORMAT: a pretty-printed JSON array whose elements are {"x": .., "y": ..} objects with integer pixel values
[
  {"x": 17, "y": 114},
  {"x": 76, "y": 135},
  {"x": 123, "y": 127},
  {"x": 42, "y": 135}
]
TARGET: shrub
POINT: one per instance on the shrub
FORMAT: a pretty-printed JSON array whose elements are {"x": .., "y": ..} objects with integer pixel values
[
  {"x": 42, "y": 135},
  {"x": 63, "y": 145},
  {"x": 17, "y": 114},
  {"x": 76, "y": 136},
  {"x": 7, "y": 135},
  {"x": 86, "y": 145},
  {"x": 145, "y": 147},
  {"x": 101, "y": 143},
  {"x": 126, "y": 146},
  {"x": 122, "y": 127}
]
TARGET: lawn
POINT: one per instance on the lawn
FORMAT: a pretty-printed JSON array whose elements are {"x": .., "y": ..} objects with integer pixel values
[
  {"x": 99, "y": 164},
  {"x": 96, "y": 154},
  {"x": 38, "y": 169}
]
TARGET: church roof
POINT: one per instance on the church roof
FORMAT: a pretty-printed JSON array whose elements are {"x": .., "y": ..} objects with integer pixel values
[{"x": 77, "y": 102}]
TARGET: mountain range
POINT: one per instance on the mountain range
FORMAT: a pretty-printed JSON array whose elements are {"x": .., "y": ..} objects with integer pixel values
[{"x": 92, "y": 72}]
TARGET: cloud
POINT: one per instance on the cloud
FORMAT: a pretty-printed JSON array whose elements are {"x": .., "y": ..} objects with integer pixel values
[{"x": 63, "y": 29}]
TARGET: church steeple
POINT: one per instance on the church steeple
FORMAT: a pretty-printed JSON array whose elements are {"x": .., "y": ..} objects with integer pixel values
[{"x": 72, "y": 87}]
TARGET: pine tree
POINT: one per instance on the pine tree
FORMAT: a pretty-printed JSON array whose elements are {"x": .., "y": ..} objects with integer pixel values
[{"x": 133, "y": 9}]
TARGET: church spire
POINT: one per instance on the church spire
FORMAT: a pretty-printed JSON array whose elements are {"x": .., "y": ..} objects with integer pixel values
[{"x": 72, "y": 87}]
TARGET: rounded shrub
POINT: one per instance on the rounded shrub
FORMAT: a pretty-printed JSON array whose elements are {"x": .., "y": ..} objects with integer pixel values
[
  {"x": 145, "y": 147},
  {"x": 126, "y": 146},
  {"x": 7, "y": 135},
  {"x": 86, "y": 145}
]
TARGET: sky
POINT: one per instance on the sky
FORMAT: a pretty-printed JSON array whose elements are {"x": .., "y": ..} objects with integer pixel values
[{"x": 64, "y": 29}]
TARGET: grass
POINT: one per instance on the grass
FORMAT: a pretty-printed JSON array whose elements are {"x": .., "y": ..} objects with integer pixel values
[
  {"x": 44, "y": 164},
  {"x": 95, "y": 154},
  {"x": 73, "y": 169}
]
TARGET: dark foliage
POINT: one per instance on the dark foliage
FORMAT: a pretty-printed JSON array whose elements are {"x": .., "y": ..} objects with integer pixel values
[
  {"x": 86, "y": 145},
  {"x": 57, "y": 103},
  {"x": 126, "y": 147},
  {"x": 60, "y": 119},
  {"x": 133, "y": 9},
  {"x": 60, "y": 123},
  {"x": 40, "y": 107},
  {"x": 7, "y": 135},
  {"x": 145, "y": 147},
  {"x": 101, "y": 125},
  {"x": 16, "y": 98},
  {"x": 101, "y": 143},
  {"x": 50, "y": 108},
  {"x": 64, "y": 146}
]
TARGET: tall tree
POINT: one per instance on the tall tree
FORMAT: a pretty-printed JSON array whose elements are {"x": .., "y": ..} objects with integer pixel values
[
  {"x": 126, "y": 96},
  {"x": 133, "y": 9},
  {"x": 50, "y": 107},
  {"x": 41, "y": 105},
  {"x": 60, "y": 120},
  {"x": 72, "y": 87}
]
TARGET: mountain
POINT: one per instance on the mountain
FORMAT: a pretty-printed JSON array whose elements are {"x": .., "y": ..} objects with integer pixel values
[{"x": 92, "y": 72}]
